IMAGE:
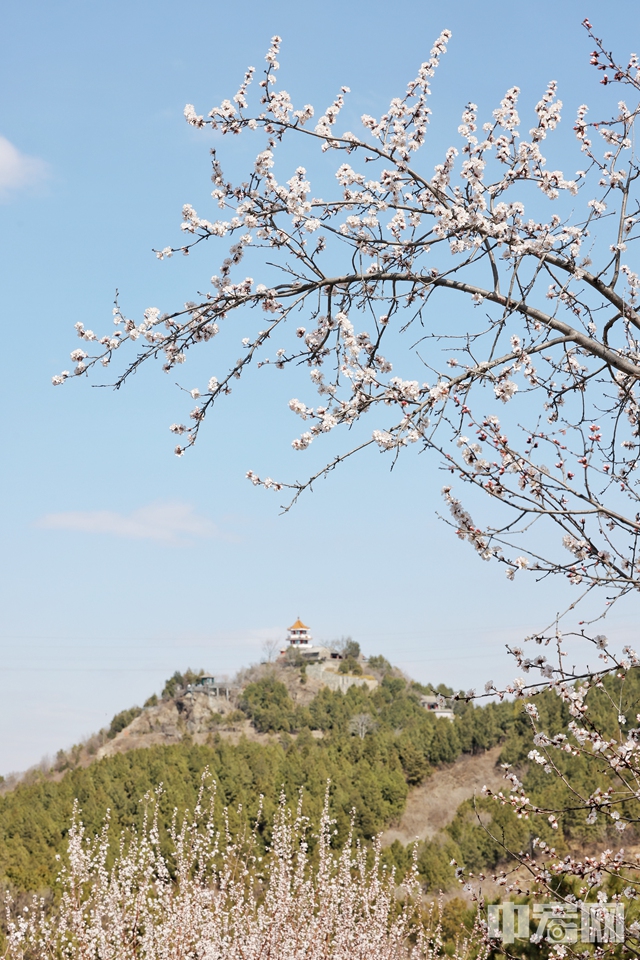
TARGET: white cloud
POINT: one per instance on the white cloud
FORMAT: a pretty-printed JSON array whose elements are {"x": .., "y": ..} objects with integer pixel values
[
  {"x": 17, "y": 170},
  {"x": 168, "y": 522}
]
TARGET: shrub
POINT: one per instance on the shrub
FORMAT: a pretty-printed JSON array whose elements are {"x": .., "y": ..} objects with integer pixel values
[
  {"x": 349, "y": 665},
  {"x": 351, "y": 648},
  {"x": 179, "y": 680},
  {"x": 122, "y": 720},
  {"x": 380, "y": 663}
]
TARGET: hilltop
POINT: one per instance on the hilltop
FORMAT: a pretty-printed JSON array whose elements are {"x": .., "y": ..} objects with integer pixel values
[{"x": 187, "y": 709}]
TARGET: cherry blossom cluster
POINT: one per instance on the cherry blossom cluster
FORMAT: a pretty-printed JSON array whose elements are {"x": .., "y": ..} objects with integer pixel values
[{"x": 213, "y": 895}]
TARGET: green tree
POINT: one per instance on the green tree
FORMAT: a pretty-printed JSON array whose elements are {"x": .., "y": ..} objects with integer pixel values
[
  {"x": 122, "y": 720},
  {"x": 268, "y": 704}
]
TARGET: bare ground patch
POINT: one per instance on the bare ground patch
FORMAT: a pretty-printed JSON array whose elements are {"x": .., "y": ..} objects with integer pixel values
[{"x": 432, "y": 805}]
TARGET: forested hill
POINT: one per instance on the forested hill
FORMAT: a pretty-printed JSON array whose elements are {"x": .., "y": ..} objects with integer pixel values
[
  {"x": 371, "y": 764},
  {"x": 371, "y": 767}
]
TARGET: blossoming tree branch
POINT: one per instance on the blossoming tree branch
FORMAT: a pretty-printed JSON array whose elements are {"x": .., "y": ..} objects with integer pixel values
[
  {"x": 484, "y": 306},
  {"x": 480, "y": 303}
]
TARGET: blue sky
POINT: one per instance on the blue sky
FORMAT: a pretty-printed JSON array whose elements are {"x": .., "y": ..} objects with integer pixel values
[{"x": 122, "y": 563}]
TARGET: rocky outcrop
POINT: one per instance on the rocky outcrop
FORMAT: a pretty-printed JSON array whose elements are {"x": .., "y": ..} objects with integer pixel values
[{"x": 195, "y": 715}]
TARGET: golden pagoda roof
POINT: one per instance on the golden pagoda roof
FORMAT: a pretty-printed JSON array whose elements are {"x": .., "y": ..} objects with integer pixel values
[{"x": 298, "y": 625}]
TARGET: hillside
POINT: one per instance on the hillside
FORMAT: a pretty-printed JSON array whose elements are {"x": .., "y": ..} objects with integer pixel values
[
  {"x": 280, "y": 729},
  {"x": 393, "y": 767},
  {"x": 431, "y": 806},
  {"x": 194, "y": 714}
]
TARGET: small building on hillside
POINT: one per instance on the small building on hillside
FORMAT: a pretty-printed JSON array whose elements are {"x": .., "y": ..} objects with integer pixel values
[
  {"x": 432, "y": 705},
  {"x": 208, "y": 684}
]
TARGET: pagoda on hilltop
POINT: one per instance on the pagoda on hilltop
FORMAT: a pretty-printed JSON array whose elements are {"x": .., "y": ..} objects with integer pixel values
[
  {"x": 299, "y": 634},
  {"x": 319, "y": 661}
]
